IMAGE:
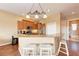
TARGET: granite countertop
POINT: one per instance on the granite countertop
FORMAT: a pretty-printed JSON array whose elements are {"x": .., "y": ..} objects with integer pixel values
[{"x": 21, "y": 35}]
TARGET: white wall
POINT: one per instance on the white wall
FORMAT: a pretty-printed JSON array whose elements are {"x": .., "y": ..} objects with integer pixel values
[
  {"x": 8, "y": 26},
  {"x": 50, "y": 22},
  {"x": 51, "y": 28}
]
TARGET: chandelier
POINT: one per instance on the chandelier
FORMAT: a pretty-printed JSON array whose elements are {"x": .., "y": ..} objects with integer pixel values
[{"x": 36, "y": 14}]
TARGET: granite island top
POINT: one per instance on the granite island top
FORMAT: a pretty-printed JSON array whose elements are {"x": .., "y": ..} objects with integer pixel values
[{"x": 21, "y": 35}]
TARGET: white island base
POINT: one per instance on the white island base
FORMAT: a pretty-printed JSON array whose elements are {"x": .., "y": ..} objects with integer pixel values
[{"x": 34, "y": 40}]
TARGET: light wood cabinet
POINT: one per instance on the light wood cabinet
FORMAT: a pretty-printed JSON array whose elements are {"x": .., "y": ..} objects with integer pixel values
[{"x": 31, "y": 26}]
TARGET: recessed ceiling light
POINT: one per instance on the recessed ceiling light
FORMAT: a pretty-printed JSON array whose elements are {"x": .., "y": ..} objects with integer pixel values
[
  {"x": 73, "y": 12},
  {"x": 48, "y": 10}
]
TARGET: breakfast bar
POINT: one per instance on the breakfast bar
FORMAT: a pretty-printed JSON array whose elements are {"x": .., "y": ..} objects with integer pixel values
[{"x": 25, "y": 41}]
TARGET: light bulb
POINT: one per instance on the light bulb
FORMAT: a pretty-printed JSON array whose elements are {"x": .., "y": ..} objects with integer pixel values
[
  {"x": 27, "y": 16},
  {"x": 36, "y": 16},
  {"x": 45, "y": 16}
]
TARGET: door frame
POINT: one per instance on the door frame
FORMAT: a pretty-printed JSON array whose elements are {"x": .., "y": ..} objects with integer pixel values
[{"x": 68, "y": 20}]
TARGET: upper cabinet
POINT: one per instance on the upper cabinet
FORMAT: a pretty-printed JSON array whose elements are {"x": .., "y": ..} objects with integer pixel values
[{"x": 30, "y": 27}]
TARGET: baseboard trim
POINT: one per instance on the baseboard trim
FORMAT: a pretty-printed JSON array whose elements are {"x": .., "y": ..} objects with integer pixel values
[{"x": 5, "y": 44}]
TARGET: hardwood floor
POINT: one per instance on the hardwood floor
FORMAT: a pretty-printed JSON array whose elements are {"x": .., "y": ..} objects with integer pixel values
[
  {"x": 73, "y": 47},
  {"x": 12, "y": 50},
  {"x": 9, "y": 50}
]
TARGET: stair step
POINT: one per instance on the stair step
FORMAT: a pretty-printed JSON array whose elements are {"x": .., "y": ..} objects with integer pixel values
[
  {"x": 61, "y": 49},
  {"x": 62, "y": 45},
  {"x": 62, "y": 54}
]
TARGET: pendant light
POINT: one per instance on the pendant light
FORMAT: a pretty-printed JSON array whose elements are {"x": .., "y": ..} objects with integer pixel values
[{"x": 36, "y": 14}]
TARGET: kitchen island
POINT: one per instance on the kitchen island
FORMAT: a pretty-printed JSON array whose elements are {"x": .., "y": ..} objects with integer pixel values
[{"x": 37, "y": 40}]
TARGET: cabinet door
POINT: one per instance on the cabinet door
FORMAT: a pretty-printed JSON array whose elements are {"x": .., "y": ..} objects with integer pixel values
[{"x": 20, "y": 25}]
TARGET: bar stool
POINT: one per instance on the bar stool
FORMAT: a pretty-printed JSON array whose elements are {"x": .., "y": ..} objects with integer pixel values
[
  {"x": 29, "y": 50},
  {"x": 45, "y": 49},
  {"x": 14, "y": 40}
]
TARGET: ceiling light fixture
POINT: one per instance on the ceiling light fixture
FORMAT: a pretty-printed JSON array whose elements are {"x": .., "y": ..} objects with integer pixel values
[
  {"x": 45, "y": 16},
  {"x": 27, "y": 16},
  {"x": 36, "y": 14}
]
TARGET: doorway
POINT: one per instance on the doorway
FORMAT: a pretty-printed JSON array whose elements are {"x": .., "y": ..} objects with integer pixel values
[{"x": 73, "y": 29}]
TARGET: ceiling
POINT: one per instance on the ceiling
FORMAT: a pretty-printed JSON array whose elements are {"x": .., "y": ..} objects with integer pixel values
[{"x": 23, "y": 8}]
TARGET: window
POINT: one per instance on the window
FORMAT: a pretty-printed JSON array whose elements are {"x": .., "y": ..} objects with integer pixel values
[{"x": 74, "y": 26}]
